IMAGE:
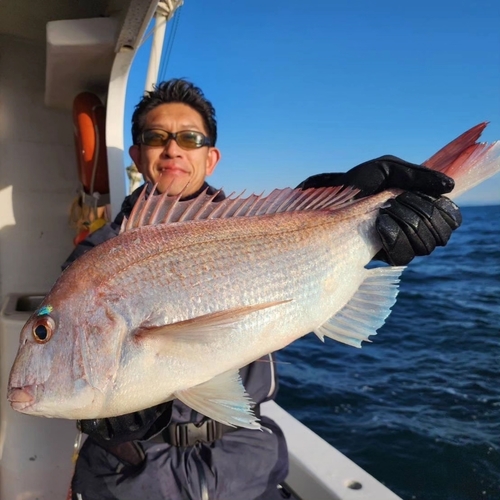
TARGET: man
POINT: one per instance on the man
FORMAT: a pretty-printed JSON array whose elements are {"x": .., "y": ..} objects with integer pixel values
[{"x": 170, "y": 451}]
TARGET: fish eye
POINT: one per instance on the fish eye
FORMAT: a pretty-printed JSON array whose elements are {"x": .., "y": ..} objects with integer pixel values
[{"x": 43, "y": 329}]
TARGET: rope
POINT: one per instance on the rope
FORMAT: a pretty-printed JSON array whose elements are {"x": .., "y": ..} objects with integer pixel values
[{"x": 167, "y": 47}]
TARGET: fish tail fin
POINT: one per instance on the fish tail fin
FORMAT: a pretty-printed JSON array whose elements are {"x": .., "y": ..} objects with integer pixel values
[
  {"x": 467, "y": 161},
  {"x": 367, "y": 310}
]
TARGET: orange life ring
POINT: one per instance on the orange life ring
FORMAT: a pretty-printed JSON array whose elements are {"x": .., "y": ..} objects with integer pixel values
[{"x": 89, "y": 116}]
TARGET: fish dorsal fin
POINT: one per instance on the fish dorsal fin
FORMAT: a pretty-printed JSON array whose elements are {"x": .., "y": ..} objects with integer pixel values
[
  {"x": 367, "y": 310},
  {"x": 164, "y": 209}
]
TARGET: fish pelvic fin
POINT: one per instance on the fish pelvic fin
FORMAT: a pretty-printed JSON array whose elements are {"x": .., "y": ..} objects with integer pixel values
[
  {"x": 165, "y": 209},
  {"x": 204, "y": 328},
  {"x": 222, "y": 398},
  {"x": 367, "y": 310},
  {"x": 467, "y": 161}
]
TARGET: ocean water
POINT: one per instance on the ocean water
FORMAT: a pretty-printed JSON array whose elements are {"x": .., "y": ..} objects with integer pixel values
[{"x": 419, "y": 408}]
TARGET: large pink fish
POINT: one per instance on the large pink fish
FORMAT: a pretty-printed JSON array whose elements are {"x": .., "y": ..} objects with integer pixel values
[{"x": 189, "y": 292}]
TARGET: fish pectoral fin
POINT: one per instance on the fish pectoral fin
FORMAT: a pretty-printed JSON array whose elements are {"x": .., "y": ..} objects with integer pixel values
[
  {"x": 222, "y": 398},
  {"x": 367, "y": 310},
  {"x": 206, "y": 326}
]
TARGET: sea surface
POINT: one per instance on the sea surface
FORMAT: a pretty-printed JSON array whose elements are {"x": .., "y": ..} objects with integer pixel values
[{"x": 419, "y": 408}]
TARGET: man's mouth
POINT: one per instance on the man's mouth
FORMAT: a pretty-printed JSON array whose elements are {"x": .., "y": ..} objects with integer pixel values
[{"x": 171, "y": 169}]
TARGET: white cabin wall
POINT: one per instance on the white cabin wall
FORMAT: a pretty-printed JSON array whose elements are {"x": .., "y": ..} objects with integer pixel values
[{"x": 38, "y": 175}]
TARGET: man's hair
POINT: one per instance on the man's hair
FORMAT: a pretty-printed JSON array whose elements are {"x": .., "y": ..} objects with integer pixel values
[{"x": 175, "y": 90}]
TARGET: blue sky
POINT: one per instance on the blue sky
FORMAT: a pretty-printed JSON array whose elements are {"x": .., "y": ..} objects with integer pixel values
[{"x": 302, "y": 88}]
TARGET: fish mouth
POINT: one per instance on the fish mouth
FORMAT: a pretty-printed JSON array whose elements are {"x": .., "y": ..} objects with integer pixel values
[
  {"x": 35, "y": 399},
  {"x": 22, "y": 398}
]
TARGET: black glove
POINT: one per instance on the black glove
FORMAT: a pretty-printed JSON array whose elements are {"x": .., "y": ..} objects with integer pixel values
[
  {"x": 415, "y": 222},
  {"x": 130, "y": 427}
]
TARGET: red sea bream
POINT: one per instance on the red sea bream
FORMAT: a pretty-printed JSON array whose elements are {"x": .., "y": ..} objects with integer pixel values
[{"x": 191, "y": 291}]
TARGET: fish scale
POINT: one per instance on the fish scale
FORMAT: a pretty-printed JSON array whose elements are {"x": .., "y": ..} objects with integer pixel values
[
  {"x": 248, "y": 283},
  {"x": 244, "y": 253}
]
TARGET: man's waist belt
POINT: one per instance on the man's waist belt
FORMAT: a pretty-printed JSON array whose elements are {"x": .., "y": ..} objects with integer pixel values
[
  {"x": 189, "y": 434},
  {"x": 132, "y": 454}
]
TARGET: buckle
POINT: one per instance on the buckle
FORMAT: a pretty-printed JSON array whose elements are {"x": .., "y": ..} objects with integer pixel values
[{"x": 190, "y": 434}]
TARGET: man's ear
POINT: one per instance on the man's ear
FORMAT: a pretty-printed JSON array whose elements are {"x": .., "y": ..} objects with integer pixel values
[
  {"x": 212, "y": 160},
  {"x": 135, "y": 153}
]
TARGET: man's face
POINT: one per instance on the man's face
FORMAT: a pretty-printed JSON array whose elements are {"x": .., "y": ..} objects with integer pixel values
[{"x": 171, "y": 166}]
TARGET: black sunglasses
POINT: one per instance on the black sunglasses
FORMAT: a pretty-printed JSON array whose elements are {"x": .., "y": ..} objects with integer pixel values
[{"x": 186, "y": 139}]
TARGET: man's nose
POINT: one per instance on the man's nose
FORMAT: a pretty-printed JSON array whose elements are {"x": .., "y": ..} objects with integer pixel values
[{"x": 171, "y": 148}]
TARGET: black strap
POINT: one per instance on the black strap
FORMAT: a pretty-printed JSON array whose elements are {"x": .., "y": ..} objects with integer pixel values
[{"x": 129, "y": 453}]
